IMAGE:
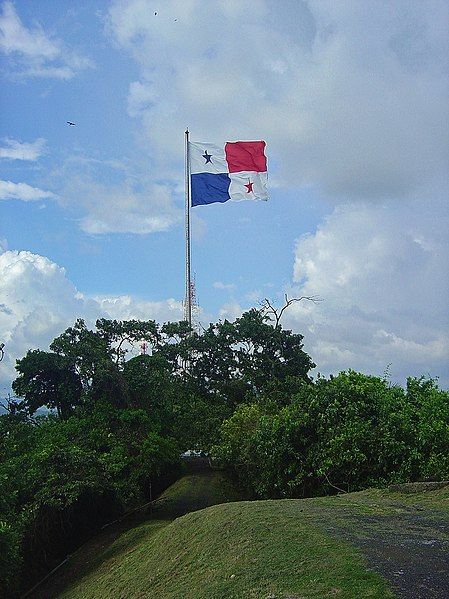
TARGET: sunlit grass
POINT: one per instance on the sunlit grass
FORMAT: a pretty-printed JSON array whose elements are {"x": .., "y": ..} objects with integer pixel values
[{"x": 236, "y": 550}]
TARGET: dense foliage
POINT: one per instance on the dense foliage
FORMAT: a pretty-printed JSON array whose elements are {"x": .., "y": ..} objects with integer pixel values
[
  {"x": 113, "y": 428},
  {"x": 116, "y": 427},
  {"x": 349, "y": 432},
  {"x": 61, "y": 480}
]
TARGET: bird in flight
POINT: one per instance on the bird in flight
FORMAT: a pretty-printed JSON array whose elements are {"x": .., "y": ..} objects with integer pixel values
[{"x": 70, "y": 123}]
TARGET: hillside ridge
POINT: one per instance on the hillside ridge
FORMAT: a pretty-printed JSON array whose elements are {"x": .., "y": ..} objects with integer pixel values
[{"x": 199, "y": 543}]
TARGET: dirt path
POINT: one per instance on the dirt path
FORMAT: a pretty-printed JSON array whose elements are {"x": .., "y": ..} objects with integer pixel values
[
  {"x": 408, "y": 544},
  {"x": 411, "y": 550}
]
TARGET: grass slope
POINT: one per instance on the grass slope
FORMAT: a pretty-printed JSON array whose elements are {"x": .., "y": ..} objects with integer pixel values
[{"x": 241, "y": 550}]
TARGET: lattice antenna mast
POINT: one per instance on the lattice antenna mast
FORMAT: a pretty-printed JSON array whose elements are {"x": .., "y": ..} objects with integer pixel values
[{"x": 194, "y": 300}]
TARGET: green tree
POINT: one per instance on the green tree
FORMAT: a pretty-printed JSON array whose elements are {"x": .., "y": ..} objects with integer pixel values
[
  {"x": 237, "y": 360},
  {"x": 120, "y": 334},
  {"x": 47, "y": 379},
  {"x": 86, "y": 349}
]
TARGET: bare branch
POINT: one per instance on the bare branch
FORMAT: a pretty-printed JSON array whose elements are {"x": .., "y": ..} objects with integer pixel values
[
  {"x": 10, "y": 405},
  {"x": 276, "y": 313}
]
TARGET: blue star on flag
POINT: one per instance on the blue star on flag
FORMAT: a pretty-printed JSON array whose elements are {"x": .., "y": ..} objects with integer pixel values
[{"x": 207, "y": 157}]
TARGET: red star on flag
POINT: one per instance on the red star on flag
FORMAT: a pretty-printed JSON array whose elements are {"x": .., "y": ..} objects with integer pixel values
[{"x": 249, "y": 185}]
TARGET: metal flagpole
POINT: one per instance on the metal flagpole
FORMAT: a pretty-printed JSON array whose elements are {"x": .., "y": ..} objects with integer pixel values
[{"x": 188, "y": 300}]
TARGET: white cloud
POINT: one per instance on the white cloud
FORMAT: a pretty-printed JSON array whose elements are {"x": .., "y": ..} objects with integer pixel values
[
  {"x": 224, "y": 286},
  {"x": 121, "y": 202},
  {"x": 16, "y": 150},
  {"x": 254, "y": 296},
  {"x": 122, "y": 209},
  {"x": 33, "y": 52},
  {"x": 22, "y": 191},
  {"x": 125, "y": 307},
  {"x": 38, "y": 302},
  {"x": 230, "y": 311},
  {"x": 382, "y": 273},
  {"x": 353, "y": 98},
  {"x": 139, "y": 98}
]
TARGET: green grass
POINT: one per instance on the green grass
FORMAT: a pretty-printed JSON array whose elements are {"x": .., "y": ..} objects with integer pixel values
[
  {"x": 195, "y": 492},
  {"x": 239, "y": 550},
  {"x": 384, "y": 502}
]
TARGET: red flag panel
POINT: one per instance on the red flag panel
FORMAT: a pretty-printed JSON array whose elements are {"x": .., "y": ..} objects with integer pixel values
[{"x": 246, "y": 156}]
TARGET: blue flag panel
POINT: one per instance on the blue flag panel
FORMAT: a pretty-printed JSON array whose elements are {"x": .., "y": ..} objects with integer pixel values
[{"x": 208, "y": 188}]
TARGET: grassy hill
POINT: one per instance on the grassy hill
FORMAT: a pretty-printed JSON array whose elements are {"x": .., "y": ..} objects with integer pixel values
[{"x": 293, "y": 549}]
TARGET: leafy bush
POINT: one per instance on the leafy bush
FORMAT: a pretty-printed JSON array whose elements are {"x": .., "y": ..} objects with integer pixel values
[
  {"x": 351, "y": 431},
  {"x": 10, "y": 560},
  {"x": 62, "y": 480}
]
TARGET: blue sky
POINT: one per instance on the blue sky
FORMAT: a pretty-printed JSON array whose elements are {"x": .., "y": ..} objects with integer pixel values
[{"x": 352, "y": 100}]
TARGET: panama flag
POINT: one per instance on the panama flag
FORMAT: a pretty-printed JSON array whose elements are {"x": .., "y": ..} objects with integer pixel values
[{"x": 235, "y": 171}]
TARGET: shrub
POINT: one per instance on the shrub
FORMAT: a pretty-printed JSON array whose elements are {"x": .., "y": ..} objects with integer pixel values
[
  {"x": 10, "y": 560},
  {"x": 350, "y": 431}
]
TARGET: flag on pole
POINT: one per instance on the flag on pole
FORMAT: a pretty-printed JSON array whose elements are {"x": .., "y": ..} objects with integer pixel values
[{"x": 235, "y": 171}]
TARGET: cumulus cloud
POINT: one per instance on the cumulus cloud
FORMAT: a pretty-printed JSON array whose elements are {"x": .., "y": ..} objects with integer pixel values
[
  {"x": 33, "y": 52},
  {"x": 382, "y": 273},
  {"x": 122, "y": 209},
  {"x": 120, "y": 201},
  {"x": 350, "y": 96},
  {"x": 23, "y": 191},
  {"x": 230, "y": 311},
  {"x": 352, "y": 99},
  {"x": 38, "y": 301},
  {"x": 16, "y": 150},
  {"x": 125, "y": 307}
]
